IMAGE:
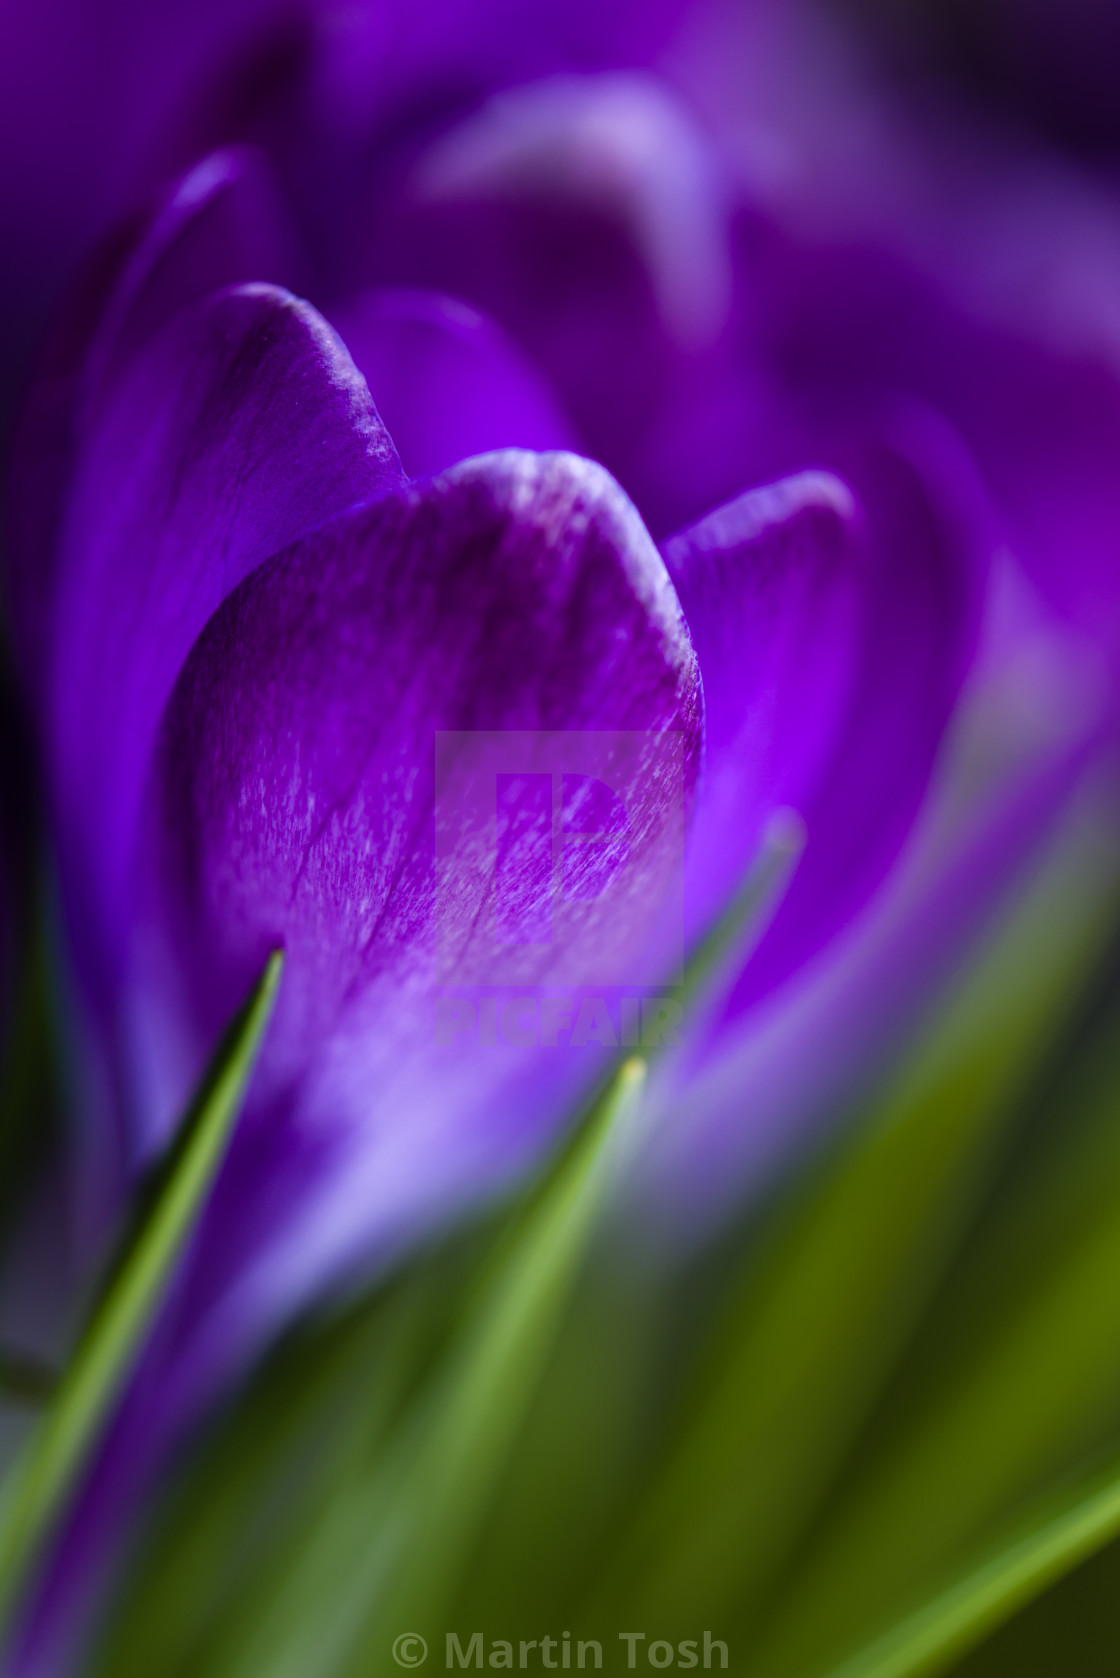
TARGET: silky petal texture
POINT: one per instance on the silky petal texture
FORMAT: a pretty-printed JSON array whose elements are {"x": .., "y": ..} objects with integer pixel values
[
  {"x": 688, "y": 423},
  {"x": 245, "y": 425},
  {"x": 294, "y": 804},
  {"x": 218, "y": 225},
  {"x": 448, "y": 383},
  {"x": 515, "y": 592},
  {"x": 771, "y": 587}
]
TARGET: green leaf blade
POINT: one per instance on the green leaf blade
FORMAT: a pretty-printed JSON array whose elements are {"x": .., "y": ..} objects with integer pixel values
[
  {"x": 390, "y": 1547},
  {"x": 838, "y": 1295},
  {"x": 984, "y": 1596},
  {"x": 46, "y": 1473}
]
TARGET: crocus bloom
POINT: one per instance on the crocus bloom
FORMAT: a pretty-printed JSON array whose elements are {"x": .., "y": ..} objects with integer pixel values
[{"x": 247, "y": 628}]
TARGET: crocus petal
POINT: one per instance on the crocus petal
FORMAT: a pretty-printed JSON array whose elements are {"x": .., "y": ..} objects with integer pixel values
[
  {"x": 833, "y": 637},
  {"x": 1043, "y": 424},
  {"x": 245, "y": 425},
  {"x": 370, "y": 54},
  {"x": 592, "y": 226},
  {"x": 769, "y": 585},
  {"x": 294, "y": 805},
  {"x": 621, "y": 143},
  {"x": 921, "y": 610},
  {"x": 218, "y": 225},
  {"x": 448, "y": 382}
]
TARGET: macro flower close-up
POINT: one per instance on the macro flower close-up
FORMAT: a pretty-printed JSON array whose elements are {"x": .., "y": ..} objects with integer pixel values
[{"x": 560, "y": 842}]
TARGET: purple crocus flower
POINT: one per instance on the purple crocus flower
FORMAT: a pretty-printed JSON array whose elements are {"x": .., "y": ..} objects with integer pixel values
[
  {"x": 567, "y": 263},
  {"x": 246, "y": 628}
]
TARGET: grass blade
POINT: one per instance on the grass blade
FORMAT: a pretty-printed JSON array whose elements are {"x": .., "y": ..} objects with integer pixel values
[
  {"x": 45, "y": 1474},
  {"x": 984, "y": 1596},
  {"x": 829, "y": 1308},
  {"x": 395, "y": 1538},
  {"x": 1015, "y": 1379}
]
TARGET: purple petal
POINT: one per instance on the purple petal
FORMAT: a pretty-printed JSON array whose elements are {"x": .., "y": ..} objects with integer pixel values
[
  {"x": 218, "y": 225},
  {"x": 587, "y": 216},
  {"x": 833, "y": 637},
  {"x": 923, "y": 590},
  {"x": 620, "y": 143},
  {"x": 484, "y": 42},
  {"x": 770, "y": 585},
  {"x": 820, "y": 329},
  {"x": 245, "y": 425},
  {"x": 838, "y": 324},
  {"x": 294, "y": 805},
  {"x": 448, "y": 383}
]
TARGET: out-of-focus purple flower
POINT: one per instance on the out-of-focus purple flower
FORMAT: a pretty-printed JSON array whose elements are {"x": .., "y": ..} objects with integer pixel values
[
  {"x": 895, "y": 240},
  {"x": 100, "y": 104}
]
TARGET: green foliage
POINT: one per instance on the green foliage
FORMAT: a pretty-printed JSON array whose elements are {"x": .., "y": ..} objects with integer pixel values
[
  {"x": 1052, "y": 1540},
  {"x": 43, "y": 1475},
  {"x": 852, "y": 1440},
  {"x": 843, "y": 1459}
]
